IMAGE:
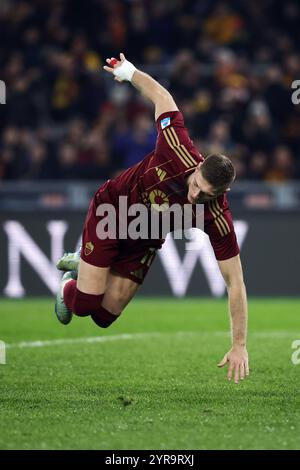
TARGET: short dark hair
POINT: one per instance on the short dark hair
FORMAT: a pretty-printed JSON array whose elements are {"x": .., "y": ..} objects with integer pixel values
[{"x": 218, "y": 170}]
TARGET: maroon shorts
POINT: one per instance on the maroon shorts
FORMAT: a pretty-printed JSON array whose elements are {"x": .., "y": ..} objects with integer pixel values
[{"x": 130, "y": 258}]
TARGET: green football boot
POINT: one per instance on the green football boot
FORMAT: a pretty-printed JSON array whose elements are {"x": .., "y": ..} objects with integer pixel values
[
  {"x": 64, "y": 315},
  {"x": 69, "y": 261}
]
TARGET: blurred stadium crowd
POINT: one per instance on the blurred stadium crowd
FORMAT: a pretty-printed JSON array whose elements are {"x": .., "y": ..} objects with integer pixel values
[{"x": 229, "y": 65}]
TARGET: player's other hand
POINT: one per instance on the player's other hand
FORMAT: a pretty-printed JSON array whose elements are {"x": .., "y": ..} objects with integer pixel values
[
  {"x": 114, "y": 64},
  {"x": 238, "y": 363}
]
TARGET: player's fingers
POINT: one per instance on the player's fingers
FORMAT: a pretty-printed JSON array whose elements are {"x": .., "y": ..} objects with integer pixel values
[
  {"x": 236, "y": 373},
  {"x": 122, "y": 57},
  {"x": 111, "y": 62},
  {"x": 108, "y": 69},
  {"x": 230, "y": 370},
  {"x": 118, "y": 79},
  {"x": 242, "y": 371},
  {"x": 223, "y": 362},
  {"x": 247, "y": 368}
]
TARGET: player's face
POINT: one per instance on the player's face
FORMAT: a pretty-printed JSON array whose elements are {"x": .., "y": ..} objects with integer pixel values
[{"x": 199, "y": 190}]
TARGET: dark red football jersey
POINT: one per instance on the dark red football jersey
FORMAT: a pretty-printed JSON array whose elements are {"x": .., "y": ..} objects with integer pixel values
[{"x": 160, "y": 178}]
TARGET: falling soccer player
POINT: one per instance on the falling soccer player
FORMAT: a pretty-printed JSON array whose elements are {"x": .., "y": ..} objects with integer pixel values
[{"x": 102, "y": 278}]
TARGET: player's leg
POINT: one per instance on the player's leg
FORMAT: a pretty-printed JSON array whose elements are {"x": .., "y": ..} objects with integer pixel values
[
  {"x": 98, "y": 292},
  {"x": 119, "y": 291},
  {"x": 127, "y": 273},
  {"x": 81, "y": 293},
  {"x": 84, "y": 297},
  {"x": 103, "y": 293},
  {"x": 91, "y": 279}
]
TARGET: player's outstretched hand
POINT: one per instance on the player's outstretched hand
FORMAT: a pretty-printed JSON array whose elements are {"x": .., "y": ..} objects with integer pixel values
[
  {"x": 113, "y": 64},
  {"x": 238, "y": 363}
]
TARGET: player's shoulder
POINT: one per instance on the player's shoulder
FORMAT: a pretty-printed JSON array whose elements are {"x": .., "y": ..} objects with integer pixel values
[
  {"x": 174, "y": 141},
  {"x": 217, "y": 208},
  {"x": 217, "y": 217},
  {"x": 169, "y": 119}
]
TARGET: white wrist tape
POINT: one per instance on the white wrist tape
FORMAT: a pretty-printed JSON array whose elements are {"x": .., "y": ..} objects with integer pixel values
[{"x": 125, "y": 71}]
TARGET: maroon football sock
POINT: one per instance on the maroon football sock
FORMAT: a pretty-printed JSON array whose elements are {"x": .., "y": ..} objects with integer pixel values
[
  {"x": 83, "y": 305},
  {"x": 103, "y": 317},
  {"x": 69, "y": 294},
  {"x": 80, "y": 303}
]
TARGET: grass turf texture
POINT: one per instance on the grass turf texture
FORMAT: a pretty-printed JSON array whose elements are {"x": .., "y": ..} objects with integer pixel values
[{"x": 159, "y": 391}]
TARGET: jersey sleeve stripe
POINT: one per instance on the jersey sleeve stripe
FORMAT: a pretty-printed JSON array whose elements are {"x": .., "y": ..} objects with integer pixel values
[
  {"x": 180, "y": 150},
  {"x": 177, "y": 147},
  {"x": 170, "y": 137},
  {"x": 173, "y": 147},
  {"x": 188, "y": 155},
  {"x": 220, "y": 211},
  {"x": 216, "y": 220},
  {"x": 219, "y": 219}
]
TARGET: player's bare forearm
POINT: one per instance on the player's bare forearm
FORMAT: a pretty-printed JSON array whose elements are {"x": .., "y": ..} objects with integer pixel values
[
  {"x": 154, "y": 91},
  {"x": 238, "y": 308},
  {"x": 123, "y": 70},
  {"x": 149, "y": 87},
  {"x": 237, "y": 357}
]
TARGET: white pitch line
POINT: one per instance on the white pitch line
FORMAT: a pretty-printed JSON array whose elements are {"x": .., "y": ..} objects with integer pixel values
[
  {"x": 133, "y": 336},
  {"x": 87, "y": 340},
  {"x": 275, "y": 334}
]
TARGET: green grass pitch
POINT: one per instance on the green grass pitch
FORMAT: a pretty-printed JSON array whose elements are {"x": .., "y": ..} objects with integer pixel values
[{"x": 150, "y": 381}]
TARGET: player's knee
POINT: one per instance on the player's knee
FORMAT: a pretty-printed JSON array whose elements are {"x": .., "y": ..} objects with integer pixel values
[{"x": 103, "y": 317}]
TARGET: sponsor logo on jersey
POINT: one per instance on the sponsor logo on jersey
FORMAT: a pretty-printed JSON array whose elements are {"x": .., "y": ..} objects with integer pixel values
[
  {"x": 165, "y": 122},
  {"x": 159, "y": 200}
]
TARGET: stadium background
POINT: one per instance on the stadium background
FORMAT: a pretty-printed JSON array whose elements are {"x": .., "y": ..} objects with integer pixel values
[{"x": 66, "y": 127}]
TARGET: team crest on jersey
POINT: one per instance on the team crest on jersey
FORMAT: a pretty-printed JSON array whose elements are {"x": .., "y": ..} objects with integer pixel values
[
  {"x": 161, "y": 173},
  {"x": 88, "y": 248},
  {"x": 159, "y": 200},
  {"x": 165, "y": 122}
]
